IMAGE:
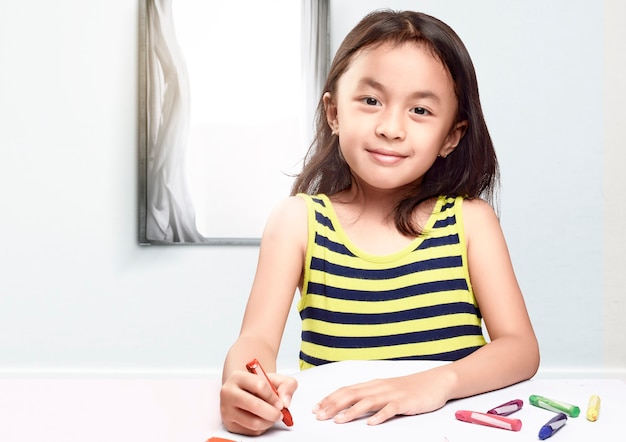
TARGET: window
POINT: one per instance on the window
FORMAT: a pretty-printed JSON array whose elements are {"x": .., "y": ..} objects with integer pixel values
[{"x": 228, "y": 97}]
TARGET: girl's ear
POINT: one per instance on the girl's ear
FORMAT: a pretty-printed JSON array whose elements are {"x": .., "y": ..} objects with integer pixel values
[
  {"x": 453, "y": 139},
  {"x": 331, "y": 112}
]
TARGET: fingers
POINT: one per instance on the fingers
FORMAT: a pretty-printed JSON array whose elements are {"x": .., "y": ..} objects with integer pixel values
[
  {"x": 285, "y": 386},
  {"x": 381, "y": 400},
  {"x": 248, "y": 427},
  {"x": 389, "y": 411},
  {"x": 240, "y": 421},
  {"x": 248, "y": 405},
  {"x": 351, "y": 408},
  {"x": 364, "y": 406},
  {"x": 345, "y": 404}
]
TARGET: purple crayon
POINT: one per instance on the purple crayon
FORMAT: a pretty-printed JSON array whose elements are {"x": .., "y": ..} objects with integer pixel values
[{"x": 508, "y": 408}]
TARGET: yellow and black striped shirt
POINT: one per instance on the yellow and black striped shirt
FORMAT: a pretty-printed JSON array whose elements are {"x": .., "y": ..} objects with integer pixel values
[{"x": 414, "y": 304}]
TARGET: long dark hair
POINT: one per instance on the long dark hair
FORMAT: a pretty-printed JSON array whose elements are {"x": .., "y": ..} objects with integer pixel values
[{"x": 470, "y": 171}]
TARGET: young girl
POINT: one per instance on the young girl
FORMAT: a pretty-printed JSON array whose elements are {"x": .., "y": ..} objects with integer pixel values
[{"x": 385, "y": 236}]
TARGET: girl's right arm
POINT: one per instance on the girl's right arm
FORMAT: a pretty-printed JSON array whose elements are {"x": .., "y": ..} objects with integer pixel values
[{"x": 247, "y": 403}]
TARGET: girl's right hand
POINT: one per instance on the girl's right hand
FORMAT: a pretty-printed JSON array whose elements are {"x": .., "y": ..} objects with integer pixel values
[{"x": 249, "y": 406}]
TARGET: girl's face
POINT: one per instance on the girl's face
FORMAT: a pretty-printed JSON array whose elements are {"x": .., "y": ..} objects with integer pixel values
[{"x": 394, "y": 112}]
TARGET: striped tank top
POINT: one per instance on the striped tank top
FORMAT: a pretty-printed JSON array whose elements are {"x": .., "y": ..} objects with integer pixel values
[{"x": 415, "y": 304}]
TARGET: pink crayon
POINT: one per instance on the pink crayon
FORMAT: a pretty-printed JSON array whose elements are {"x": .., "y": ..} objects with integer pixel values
[{"x": 490, "y": 420}]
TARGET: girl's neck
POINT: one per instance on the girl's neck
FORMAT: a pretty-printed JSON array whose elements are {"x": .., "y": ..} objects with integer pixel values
[
  {"x": 371, "y": 200},
  {"x": 367, "y": 218},
  {"x": 362, "y": 202}
]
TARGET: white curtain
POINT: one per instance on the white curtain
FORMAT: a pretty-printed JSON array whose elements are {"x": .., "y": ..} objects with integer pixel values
[
  {"x": 170, "y": 213},
  {"x": 315, "y": 54}
]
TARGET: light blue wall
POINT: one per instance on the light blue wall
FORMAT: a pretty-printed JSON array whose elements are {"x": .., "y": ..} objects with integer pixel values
[{"x": 77, "y": 292}]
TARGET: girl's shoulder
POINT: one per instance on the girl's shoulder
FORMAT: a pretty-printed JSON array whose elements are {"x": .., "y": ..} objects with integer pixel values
[
  {"x": 287, "y": 224},
  {"x": 479, "y": 218},
  {"x": 477, "y": 207},
  {"x": 291, "y": 209}
]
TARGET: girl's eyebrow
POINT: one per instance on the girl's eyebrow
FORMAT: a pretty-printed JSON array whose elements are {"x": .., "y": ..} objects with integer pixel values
[{"x": 420, "y": 94}]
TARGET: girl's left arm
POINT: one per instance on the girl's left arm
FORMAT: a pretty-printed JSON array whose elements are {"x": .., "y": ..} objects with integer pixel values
[
  {"x": 513, "y": 353},
  {"x": 511, "y": 356}
]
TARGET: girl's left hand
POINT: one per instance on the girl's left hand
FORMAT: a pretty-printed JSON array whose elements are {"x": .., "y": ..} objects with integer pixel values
[{"x": 408, "y": 395}]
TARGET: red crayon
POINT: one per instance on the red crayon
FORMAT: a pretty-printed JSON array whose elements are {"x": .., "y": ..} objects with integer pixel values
[
  {"x": 253, "y": 367},
  {"x": 490, "y": 420}
]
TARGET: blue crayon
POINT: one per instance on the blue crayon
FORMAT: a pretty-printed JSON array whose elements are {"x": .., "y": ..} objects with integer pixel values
[{"x": 552, "y": 426}]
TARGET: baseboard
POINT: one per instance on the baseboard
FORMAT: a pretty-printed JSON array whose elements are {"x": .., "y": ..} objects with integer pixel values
[
  {"x": 76, "y": 373},
  {"x": 543, "y": 373},
  {"x": 581, "y": 373}
]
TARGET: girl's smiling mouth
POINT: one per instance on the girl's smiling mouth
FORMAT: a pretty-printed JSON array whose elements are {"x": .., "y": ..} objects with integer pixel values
[{"x": 386, "y": 157}]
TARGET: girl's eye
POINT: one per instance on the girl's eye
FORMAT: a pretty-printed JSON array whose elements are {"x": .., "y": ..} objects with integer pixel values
[
  {"x": 371, "y": 101},
  {"x": 420, "y": 111}
]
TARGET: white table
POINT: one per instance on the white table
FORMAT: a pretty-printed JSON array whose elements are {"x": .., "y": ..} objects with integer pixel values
[{"x": 187, "y": 410}]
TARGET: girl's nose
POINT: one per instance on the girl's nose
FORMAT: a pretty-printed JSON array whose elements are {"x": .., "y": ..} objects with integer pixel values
[{"x": 391, "y": 125}]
